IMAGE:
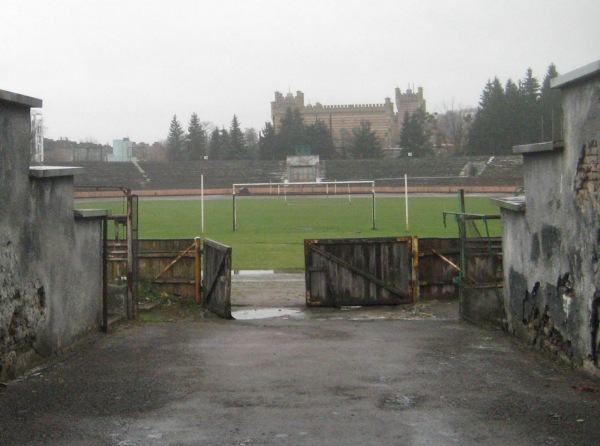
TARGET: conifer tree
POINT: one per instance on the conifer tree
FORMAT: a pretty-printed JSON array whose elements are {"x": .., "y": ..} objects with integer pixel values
[
  {"x": 196, "y": 139},
  {"x": 366, "y": 145},
  {"x": 215, "y": 145},
  {"x": 291, "y": 133},
  {"x": 175, "y": 141},
  {"x": 318, "y": 137},
  {"x": 488, "y": 132},
  {"x": 551, "y": 106},
  {"x": 516, "y": 115},
  {"x": 267, "y": 143},
  {"x": 237, "y": 145},
  {"x": 529, "y": 88},
  {"x": 416, "y": 132},
  {"x": 251, "y": 140},
  {"x": 514, "y": 124},
  {"x": 224, "y": 138}
]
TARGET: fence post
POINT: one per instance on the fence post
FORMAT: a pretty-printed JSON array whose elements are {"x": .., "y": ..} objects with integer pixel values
[
  {"x": 462, "y": 233},
  {"x": 198, "y": 269}
]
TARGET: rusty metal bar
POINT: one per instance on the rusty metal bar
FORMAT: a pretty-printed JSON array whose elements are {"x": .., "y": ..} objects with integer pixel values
[
  {"x": 452, "y": 264},
  {"x": 129, "y": 268},
  {"x": 105, "y": 275}
]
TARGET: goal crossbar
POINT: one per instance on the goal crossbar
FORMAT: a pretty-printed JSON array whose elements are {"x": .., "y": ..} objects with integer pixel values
[{"x": 358, "y": 187}]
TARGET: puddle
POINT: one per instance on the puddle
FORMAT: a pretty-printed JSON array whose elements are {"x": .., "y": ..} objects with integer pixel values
[{"x": 266, "y": 313}]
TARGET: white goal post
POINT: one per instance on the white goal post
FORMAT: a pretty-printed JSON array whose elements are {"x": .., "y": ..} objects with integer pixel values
[{"x": 321, "y": 188}]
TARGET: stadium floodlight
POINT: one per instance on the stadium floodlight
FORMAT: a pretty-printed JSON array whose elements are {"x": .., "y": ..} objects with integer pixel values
[{"x": 310, "y": 188}]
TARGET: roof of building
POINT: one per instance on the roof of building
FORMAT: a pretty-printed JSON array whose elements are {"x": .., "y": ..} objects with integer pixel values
[
  {"x": 578, "y": 75},
  {"x": 20, "y": 99}
]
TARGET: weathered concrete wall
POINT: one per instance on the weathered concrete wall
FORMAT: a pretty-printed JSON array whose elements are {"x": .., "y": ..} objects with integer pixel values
[
  {"x": 482, "y": 304},
  {"x": 50, "y": 263},
  {"x": 551, "y": 251}
]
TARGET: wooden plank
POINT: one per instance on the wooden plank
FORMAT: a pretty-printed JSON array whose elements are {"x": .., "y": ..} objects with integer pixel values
[
  {"x": 216, "y": 290},
  {"x": 359, "y": 272},
  {"x": 154, "y": 255}
]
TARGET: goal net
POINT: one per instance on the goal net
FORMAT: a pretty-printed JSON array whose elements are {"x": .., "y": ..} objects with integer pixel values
[{"x": 309, "y": 194}]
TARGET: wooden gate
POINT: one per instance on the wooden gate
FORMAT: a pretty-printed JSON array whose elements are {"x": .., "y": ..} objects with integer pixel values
[
  {"x": 367, "y": 271},
  {"x": 171, "y": 265},
  {"x": 216, "y": 278}
]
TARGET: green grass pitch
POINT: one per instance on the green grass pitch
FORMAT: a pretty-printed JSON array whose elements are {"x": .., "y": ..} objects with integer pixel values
[{"x": 270, "y": 232}]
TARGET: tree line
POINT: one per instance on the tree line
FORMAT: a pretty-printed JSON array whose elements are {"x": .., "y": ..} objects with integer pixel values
[
  {"x": 516, "y": 113},
  {"x": 507, "y": 115},
  {"x": 220, "y": 143},
  {"x": 235, "y": 144}
]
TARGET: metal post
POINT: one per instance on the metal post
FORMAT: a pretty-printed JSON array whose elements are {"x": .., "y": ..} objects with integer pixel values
[
  {"x": 462, "y": 232},
  {"x": 129, "y": 231},
  {"x": 373, "y": 204},
  {"x": 349, "y": 196},
  {"x": 406, "y": 200},
  {"x": 202, "y": 203},
  {"x": 105, "y": 274},
  {"x": 234, "y": 211}
]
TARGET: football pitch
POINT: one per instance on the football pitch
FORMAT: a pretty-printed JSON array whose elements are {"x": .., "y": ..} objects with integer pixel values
[{"x": 270, "y": 231}]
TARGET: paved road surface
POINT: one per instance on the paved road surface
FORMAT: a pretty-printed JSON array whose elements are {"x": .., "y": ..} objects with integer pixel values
[{"x": 405, "y": 376}]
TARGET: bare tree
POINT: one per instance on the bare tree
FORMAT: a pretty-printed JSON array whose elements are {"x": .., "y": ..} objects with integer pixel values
[{"x": 454, "y": 125}]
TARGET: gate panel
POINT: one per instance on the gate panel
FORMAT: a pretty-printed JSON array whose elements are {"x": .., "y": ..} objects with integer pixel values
[
  {"x": 439, "y": 264},
  {"x": 373, "y": 271},
  {"x": 216, "y": 281},
  {"x": 169, "y": 264}
]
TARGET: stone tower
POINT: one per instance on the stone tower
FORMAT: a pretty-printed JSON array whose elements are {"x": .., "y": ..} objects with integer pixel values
[
  {"x": 342, "y": 119},
  {"x": 409, "y": 102}
]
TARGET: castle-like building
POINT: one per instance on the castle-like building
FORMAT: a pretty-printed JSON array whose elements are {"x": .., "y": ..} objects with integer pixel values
[{"x": 341, "y": 119}]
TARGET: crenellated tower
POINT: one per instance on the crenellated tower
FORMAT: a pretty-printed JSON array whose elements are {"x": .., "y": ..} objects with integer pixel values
[
  {"x": 341, "y": 119},
  {"x": 409, "y": 102}
]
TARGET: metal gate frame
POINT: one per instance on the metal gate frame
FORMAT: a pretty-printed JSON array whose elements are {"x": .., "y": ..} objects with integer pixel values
[
  {"x": 362, "y": 271},
  {"x": 481, "y": 299},
  {"x": 122, "y": 249}
]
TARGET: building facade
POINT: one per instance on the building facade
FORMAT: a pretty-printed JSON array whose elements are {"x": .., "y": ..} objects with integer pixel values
[
  {"x": 37, "y": 133},
  {"x": 122, "y": 151},
  {"x": 386, "y": 121},
  {"x": 64, "y": 150}
]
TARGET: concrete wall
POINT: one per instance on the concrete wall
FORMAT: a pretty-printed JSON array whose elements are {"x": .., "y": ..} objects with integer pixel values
[
  {"x": 551, "y": 251},
  {"x": 50, "y": 263}
]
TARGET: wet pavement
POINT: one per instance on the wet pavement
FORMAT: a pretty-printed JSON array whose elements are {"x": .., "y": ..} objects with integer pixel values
[{"x": 411, "y": 375}]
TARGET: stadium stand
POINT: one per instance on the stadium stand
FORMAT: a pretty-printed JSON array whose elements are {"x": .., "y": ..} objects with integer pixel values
[{"x": 501, "y": 173}]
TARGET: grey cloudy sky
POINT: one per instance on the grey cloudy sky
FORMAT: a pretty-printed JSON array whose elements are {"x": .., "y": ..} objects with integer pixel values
[{"x": 108, "y": 69}]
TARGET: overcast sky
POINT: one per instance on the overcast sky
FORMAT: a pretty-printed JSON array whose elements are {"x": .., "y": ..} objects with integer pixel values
[{"x": 109, "y": 69}]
